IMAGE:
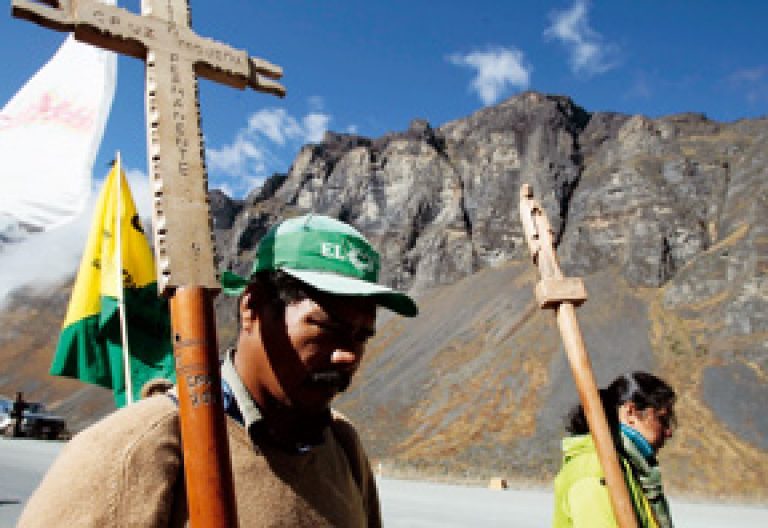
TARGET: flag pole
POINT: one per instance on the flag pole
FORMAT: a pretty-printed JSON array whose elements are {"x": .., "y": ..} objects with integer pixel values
[{"x": 119, "y": 278}]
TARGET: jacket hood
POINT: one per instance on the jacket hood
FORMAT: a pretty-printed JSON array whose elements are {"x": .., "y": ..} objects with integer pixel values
[{"x": 577, "y": 445}]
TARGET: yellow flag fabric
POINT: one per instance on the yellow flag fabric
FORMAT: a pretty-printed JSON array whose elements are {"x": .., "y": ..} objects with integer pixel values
[
  {"x": 117, "y": 265},
  {"x": 98, "y": 268}
]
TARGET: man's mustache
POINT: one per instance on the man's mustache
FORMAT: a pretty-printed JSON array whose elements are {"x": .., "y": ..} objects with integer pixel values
[{"x": 336, "y": 379}]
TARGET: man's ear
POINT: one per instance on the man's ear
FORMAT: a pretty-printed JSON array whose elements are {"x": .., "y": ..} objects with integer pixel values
[{"x": 246, "y": 312}]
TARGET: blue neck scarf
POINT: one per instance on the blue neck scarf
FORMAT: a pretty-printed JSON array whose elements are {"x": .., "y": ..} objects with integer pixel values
[{"x": 639, "y": 440}]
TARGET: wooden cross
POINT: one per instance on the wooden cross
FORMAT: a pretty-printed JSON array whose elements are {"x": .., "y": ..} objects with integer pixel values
[
  {"x": 184, "y": 248},
  {"x": 563, "y": 294},
  {"x": 174, "y": 56}
]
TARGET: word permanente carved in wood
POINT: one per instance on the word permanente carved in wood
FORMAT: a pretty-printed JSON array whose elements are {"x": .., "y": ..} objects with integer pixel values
[{"x": 174, "y": 56}]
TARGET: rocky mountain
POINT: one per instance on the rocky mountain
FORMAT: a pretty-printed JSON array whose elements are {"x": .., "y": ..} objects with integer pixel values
[{"x": 664, "y": 218}]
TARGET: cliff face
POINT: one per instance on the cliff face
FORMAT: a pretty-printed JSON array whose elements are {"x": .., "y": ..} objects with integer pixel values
[
  {"x": 439, "y": 202},
  {"x": 666, "y": 220}
]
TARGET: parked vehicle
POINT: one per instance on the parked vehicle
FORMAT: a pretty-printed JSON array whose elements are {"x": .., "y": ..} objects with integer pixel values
[
  {"x": 5, "y": 413},
  {"x": 36, "y": 422}
]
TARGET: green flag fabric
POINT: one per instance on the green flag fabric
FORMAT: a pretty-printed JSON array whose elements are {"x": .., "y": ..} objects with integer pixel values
[{"x": 90, "y": 346}]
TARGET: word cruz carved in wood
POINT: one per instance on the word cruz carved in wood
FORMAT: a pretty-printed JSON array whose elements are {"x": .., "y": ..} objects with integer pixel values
[{"x": 174, "y": 56}]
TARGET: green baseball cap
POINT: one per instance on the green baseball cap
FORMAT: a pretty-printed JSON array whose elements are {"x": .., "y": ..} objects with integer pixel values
[{"x": 328, "y": 255}]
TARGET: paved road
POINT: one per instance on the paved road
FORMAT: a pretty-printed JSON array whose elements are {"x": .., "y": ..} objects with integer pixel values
[
  {"x": 405, "y": 504},
  {"x": 22, "y": 464},
  {"x": 411, "y": 504}
]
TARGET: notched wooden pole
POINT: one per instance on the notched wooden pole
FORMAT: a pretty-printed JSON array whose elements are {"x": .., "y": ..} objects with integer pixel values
[
  {"x": 184, "y": 250},
  {"x": 563, "y": 294},
  {"x": 205, "y": 431}
]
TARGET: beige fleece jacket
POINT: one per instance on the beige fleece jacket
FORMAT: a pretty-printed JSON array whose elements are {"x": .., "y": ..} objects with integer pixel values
[{"x": 125, "y": 471}]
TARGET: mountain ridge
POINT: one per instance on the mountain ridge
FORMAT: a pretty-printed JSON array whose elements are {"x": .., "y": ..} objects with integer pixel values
[{"x": 664, "y": 218}]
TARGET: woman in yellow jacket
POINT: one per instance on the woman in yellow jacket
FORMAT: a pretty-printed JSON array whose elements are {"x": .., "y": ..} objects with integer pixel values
[{"x": 640, "y": 409}]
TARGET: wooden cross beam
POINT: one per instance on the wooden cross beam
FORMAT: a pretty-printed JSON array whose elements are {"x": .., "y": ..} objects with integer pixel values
[
  {"x": 174, "y": 56},
  {"x": 184, "y": 248}
]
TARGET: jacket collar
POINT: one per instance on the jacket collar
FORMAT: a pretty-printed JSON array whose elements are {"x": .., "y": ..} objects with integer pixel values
[{"x": 240, "y": 406}]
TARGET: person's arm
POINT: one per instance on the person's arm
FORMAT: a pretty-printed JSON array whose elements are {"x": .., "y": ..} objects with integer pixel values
[
  {"x": 361, "y": 468},
  {"x": 119, "y": 473},
  {"x": 590, "y": 505},
  {"x": 371, "y": 495}
]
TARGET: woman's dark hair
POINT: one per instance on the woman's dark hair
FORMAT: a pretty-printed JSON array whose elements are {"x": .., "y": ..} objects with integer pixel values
[{"x": 643, "y": 389}]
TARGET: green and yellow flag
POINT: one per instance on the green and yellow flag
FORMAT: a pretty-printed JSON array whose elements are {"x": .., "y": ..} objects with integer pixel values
[{"x": 90, "y": 347}]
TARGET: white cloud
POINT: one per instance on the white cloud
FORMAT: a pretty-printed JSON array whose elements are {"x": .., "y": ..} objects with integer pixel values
[
  {"x": 226, "y": 189},
  {"x": 498, "y": 70},
  {"x": 275, "y": 124},
  {"x": 20, "y": 262},
  {"x": 589, "y": 55},
  {"x": 315, "y": 125},
  {"x": 267, "y": 144},
  {"x": 239, "y": 158},
  {"x": 141, "y": 191},
  {"x": 21, "y": 265}
]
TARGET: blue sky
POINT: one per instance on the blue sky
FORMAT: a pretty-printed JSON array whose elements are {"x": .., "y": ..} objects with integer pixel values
[{"x": 370, "y": 67}]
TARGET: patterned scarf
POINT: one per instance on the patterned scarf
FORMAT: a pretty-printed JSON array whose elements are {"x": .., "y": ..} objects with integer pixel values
[{"x": 649, "y": 476}]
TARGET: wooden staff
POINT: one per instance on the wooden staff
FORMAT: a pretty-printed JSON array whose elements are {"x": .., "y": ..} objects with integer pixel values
[
  {"x": 211, "y": 500},
  {"x": 563, "y": 295},
  {"x": 174, "y": 56}
]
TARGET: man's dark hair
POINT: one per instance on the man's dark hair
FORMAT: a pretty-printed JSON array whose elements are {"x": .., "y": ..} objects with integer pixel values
[
  {"x": 641, "y": 388},
  {"x": 277, "y": 288}
]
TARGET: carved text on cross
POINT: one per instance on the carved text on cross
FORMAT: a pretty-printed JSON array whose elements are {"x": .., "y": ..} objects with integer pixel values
[{"x": 174, "y": 55}]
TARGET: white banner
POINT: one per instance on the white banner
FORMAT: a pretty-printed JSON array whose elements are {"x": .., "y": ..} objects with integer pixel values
[{"x": 50, "y": 132}]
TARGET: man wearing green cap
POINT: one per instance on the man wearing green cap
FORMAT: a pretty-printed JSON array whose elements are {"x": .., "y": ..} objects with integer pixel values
[{"x": 306, "y": 311}]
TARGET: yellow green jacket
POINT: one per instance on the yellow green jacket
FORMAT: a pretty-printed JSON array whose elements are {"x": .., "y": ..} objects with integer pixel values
[{"x": 581, "y": 496}]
